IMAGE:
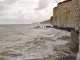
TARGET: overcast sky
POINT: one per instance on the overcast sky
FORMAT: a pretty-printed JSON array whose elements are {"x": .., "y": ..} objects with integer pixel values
[{"x": 26, "y": 11}]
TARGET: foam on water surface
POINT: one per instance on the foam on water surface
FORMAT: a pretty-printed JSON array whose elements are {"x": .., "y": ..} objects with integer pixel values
[{"x": 21, "y": 42}]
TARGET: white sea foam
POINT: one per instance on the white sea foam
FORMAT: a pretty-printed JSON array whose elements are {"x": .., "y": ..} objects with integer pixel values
[{"x": 20, "y": 42}]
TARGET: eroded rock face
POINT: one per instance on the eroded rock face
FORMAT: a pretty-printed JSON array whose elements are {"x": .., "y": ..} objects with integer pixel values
[
  {"x": 66, "y": 14},
  {"x": 63, "y": 15},
  {"x": 76, "y": 19},
  {"x": 76, "y": 14},
  {"x": 46, "y": 22},
  {"x": 67, "y": 58}
]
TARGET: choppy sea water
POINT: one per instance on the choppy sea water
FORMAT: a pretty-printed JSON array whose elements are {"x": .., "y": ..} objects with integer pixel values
[{"x": 21, "y": 42}]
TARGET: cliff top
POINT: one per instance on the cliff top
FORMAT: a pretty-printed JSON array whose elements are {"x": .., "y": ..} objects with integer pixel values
[{"x": 64, "y": 1}]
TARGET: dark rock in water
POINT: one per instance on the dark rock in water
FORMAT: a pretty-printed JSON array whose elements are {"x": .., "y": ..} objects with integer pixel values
[
  {"x": 37, "y": 27},
  {"x": 67, "y": 58},
  {"x": 48, "y": 26}
]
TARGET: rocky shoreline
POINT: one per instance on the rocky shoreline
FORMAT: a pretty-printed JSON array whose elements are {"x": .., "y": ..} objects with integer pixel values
[{"x": 69, "y": 57}]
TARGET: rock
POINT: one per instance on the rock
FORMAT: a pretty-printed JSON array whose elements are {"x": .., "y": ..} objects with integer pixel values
[
  {"x": 67, "y": 58},
  {"x": 62, "y": 14}
]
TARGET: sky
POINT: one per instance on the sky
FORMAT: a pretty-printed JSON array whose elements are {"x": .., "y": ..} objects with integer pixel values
[{"x": 26, "y": 11}]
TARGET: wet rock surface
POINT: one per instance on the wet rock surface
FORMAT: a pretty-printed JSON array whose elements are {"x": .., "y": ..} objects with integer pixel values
[{"x": 67, "y": 58}]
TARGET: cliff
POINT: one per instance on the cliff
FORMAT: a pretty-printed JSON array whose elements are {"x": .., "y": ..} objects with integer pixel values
[
  {"x": 67, "y": 15},
  {"x": 47, "y": 21},
  {"x": 63, "y": 15}
]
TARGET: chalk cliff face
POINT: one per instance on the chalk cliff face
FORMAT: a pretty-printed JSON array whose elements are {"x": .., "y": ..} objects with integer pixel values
[
  {"x": 62, "y": 14},
  {"x": 76, "y": 14},
  {"x": 47, "y": 21}
]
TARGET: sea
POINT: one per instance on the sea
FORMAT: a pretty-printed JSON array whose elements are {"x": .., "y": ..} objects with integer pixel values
[{"x": 31, "y": 41}]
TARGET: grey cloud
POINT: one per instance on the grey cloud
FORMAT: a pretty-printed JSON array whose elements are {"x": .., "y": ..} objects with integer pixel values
[
  {"x": 2, "y": 8},
  {"x": 44, "y": 3},
  {"x": 4, "y": 4},
  {"x": 1, "y": 14},
  {"x": 14, "y": 21},
  {"x": 57, "y": 1},
  {"x": 10, "y": 1}
]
